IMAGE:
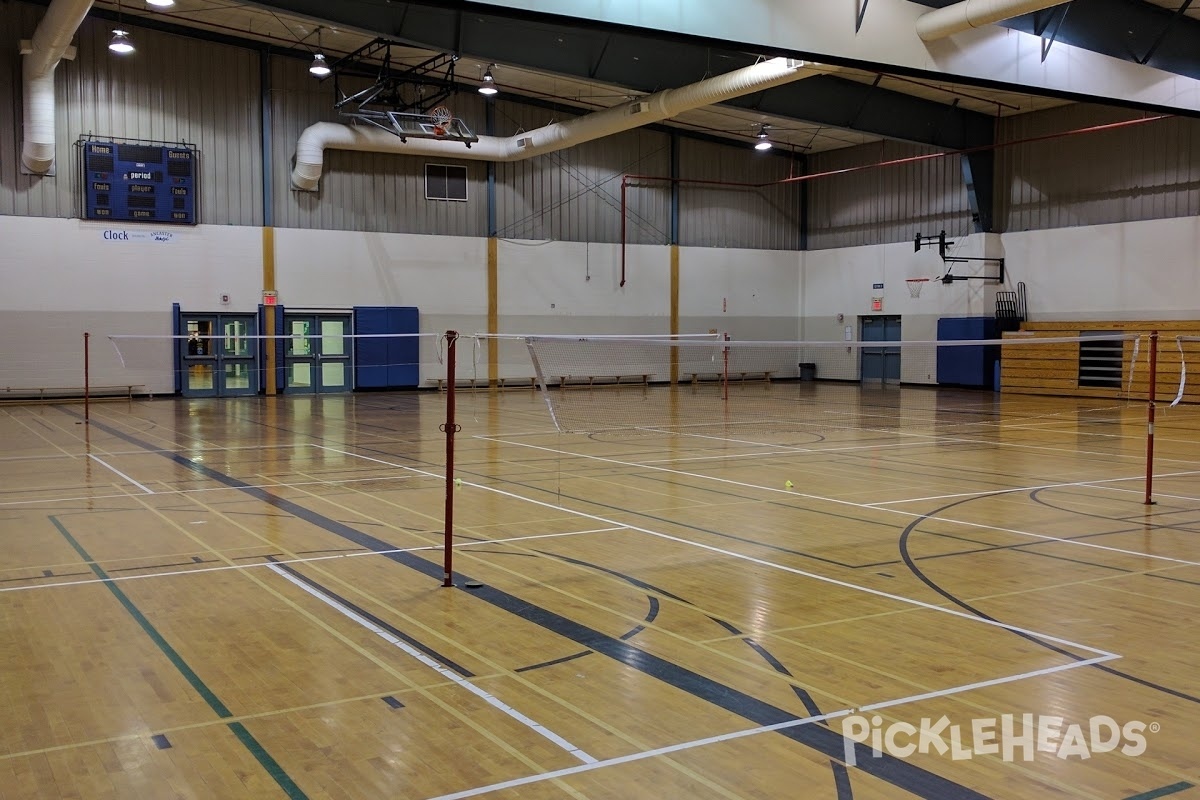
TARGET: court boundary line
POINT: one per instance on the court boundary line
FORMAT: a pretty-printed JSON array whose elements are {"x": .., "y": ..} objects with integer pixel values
[
  {"x": 169, "y": 492},
  {"x": 750, "y": 558},
  {"x": 746, "y": 732},
  {"x": 1097, "y": 484},
  {"x": 834, "y": 501},
  {"x": 813, "y": 575},
  {"x": 102, "y": 462},
  {"x": 313, "y": 559},
  {"x": 440, "y": 669}
]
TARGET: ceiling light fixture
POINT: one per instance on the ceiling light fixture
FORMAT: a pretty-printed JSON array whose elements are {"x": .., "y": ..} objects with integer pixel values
[
  {"x": 120, "y": 43},
  {"x": 763, "y": 142},
  {"x": 318, "y": 66},
  {"x": 160, "y": 3},
  {"x": 489, "y": 82}
]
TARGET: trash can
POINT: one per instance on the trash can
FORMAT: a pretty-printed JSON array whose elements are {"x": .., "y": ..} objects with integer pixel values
[{"x": 808, "y": 371}]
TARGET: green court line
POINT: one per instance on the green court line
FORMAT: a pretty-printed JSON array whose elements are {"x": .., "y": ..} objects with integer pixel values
[
  {"x": 1163, "y": 792},
  {"x": 239, "y": 730}
]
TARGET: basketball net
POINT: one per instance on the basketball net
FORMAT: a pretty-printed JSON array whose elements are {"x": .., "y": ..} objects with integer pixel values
[{"x": 915, "y": 285}]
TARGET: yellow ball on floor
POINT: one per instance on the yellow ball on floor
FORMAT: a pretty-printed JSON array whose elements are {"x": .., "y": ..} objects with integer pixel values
[{"x": 788, "y": 484}]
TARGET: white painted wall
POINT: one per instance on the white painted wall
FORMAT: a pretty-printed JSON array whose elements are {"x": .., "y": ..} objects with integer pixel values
[
  {"x": 59, "y": 278},
  {"x": 575, "y": 287},
  {"x": 1144, "y": 270},
  {"x": 749, "y": 293},
  {"x": 444, "y": 276},
  {"x": 888, "y": 37}
]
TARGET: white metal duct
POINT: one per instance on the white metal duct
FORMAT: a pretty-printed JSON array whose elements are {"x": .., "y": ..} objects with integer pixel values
[
  {"x": 975, "y": 14},
  {"x": 51, "y": 43},
  {"x": 310, "y": 149}
]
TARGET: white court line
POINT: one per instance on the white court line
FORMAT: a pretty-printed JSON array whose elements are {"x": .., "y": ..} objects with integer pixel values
[
  {"x": 297, "y": 484},
  {"x": 762, "y": 562},
  {"x": 104, "y": 463},
  {"x": 177, "y": 450},
  {"x": 1096, "y": 483},
  {"x": 818, "y": 498},
  {"x": 357, "y": 554},
  {"x": 814, "y": 576},
  {"x": 445, "y": 672},
  {"x": 726, "y": 737},
  {"x": 626, "y": 759},
  {"x": 984, "y": 684},
  {"x": 778, "y": 449}
]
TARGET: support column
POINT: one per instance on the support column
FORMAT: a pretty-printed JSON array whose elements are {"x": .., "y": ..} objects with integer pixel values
[
  {"x": 270, "y": 385},
  {"x": 674, "y": 311},
  {"x": 493, "y": 295},
  {"x": 674, "y": 254}
]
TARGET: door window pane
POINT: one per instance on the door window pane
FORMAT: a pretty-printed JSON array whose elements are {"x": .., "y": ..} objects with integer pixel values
[
  {"x": 235, "y": 341},
  {"x": 200, "y": 377},
  {"x": 298, "y": 343},
  {"x": 299, "y": 375},
  {"x": 237, "y": 375},
  {"x": 333, "y": 374},
  {"x": 199, "y": 333},
  {"x": 332, "y": 343}
]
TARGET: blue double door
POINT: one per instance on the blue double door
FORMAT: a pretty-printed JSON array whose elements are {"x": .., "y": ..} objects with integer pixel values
[
  {"x": 218, "y": 355},
  {"x": 880, "y": 364},
  {"x": 317, "y": 354}
]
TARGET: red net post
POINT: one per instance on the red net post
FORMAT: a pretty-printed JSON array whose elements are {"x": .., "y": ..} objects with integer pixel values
[
  {"x": 725, "y": 371},
  {"x": 87, "y": 378},
  {"x": 1150, "y": 398},
  {"x": 450, "y": 427}
]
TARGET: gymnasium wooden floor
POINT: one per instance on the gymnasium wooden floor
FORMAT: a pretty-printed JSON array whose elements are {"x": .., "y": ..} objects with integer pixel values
[{"x": 242, "y": 599}]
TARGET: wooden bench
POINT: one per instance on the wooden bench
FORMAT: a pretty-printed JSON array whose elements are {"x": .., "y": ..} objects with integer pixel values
[
  {"x": 483, "y": 383},
  {"x": 609, "y": 380},
  {"x": 40, "y": 393},
  {"x": 764, "y": 375}
]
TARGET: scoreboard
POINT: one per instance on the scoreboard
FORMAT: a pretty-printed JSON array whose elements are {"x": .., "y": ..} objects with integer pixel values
[{"x": 139, "y": 183}]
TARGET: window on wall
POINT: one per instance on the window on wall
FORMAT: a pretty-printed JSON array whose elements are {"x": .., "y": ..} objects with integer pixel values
[{"x": 445, "y": 182}]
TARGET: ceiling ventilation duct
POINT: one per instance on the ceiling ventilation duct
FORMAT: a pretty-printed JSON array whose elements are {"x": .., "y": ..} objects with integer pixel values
[
  {"x": 970, "y": 14},
  {"x": 51, "y": 43},
  {"x": 310, "y": 149}
]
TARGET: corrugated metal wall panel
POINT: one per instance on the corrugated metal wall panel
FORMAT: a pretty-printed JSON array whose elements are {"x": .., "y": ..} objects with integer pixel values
[
  {"x": 364, "y": 191},
  {"x": 1148, "y": 171},
  {"x": 155, "y": 93},
  {"x": 885, "y": 204},
  {"x": 575, "y": 194},
  {"x": 763, "y": 217}
]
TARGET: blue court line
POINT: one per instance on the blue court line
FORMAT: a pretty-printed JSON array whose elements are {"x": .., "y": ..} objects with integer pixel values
[
  {"x": 1163, "y": 792},
  {"x": 244, "y": 736},
  {"x": 826, "y": 741}
]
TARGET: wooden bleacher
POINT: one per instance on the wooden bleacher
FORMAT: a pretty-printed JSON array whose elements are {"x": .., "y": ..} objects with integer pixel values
[{"x": 1053, "y": 369}]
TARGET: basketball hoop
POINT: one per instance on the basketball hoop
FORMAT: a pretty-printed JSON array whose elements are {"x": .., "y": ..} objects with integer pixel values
[
  {"x": 442, "y": 117},
  {"x": 915, "y": 285}
]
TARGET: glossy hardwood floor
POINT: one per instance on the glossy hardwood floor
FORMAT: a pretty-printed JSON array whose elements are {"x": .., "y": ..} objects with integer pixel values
[{"x": 242, "y": 599}]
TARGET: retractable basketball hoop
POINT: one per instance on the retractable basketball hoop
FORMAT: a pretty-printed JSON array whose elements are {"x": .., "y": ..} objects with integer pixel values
[{"x": 915, "y": 285}]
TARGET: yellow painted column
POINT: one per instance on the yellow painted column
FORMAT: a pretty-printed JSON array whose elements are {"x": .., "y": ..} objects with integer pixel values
[
  {"x": 493, "y": 292},
  {"x": 268, "y": 281},
  {"x": 674, "y": 311}
]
